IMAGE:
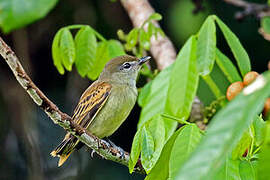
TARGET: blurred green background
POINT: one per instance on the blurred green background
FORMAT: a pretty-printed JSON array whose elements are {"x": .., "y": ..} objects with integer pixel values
[{"x": 27, "y": 135}]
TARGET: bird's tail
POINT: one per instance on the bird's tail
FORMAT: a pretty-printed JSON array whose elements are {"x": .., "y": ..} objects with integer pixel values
[{"x": 65, "y": 148}]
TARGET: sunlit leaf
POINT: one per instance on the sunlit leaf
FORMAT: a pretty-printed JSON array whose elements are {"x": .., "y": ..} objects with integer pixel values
[
  {"x": 225, "y": 130},
  {"x": 259, "y": 127},
  {"x": 227, "y": 67},
  {"x": 136, "y": 150},
  {"x": 56, "y": 54},
  {"x": 183, "y": 82},
  {"x": 247, "y": 171},
  {"x": 67, "y": 49},
  {"x": 101, "y": 58},
  {"x": 185, "y": 143},
  {"x": 115, "y": 49},
  {"x": 132, "y": 37},
  {"x": 86, "y": 45},
  {"x": 237, "y": 49},
  {"x": 229, "y": 170},
  {"x": 157, "y": 131},
  {"x": 15, "y": 14},
  {"x": 155, "y": 16},
  {"x": 206, "y": 46}
]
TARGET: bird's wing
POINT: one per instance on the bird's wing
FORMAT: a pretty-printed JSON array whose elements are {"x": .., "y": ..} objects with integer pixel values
[{"x": 91, "y": 102}]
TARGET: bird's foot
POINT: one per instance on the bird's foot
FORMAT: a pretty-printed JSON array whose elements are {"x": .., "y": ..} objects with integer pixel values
[{"x": 120, "y": 150}]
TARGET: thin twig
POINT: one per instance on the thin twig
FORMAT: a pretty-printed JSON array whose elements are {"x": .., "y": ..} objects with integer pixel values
[
  {"x": 59, "y": 117},
  {"x": 250, "y": 9}
]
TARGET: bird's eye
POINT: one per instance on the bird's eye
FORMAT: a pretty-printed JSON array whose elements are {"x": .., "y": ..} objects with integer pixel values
[{"x": 126, "y": 65}]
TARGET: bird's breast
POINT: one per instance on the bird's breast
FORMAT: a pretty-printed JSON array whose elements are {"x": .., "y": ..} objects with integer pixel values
[{"x": 117, "y": 108}]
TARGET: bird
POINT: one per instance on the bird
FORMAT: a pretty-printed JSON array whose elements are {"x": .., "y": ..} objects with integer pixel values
[{"x": 105, "y": 104}]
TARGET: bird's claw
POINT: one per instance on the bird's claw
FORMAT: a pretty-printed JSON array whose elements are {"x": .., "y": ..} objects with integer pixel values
[{"x": 120, "y": 150}]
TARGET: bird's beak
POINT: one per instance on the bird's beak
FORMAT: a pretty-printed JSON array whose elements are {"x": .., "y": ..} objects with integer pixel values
[{"x": 142, "y": 60}]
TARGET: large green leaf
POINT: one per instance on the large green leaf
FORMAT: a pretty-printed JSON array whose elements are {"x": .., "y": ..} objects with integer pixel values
[
  {"x": 115, "y": 48},
  {"x": 136, "y": 150},
  {"x": 229, "y": 170},
  {"x": 227, "y": 67},
  {"x": 67, "y": 49},
  {"x": 101, "y": 58},
  {"x": 237, "y": 49},
  {"x": 183, "y": 82},
  {"x": 161, "y": 169},
  {"x": 264, "y": 160},
  {"x": 155, "y": 95},
  {"x": 206, "y": 47},
  {"x": 56, "y": 54},
  {"x": 86, "y": 45},
  {"x": 247, "y": 171},
  {"x": 18, "y": 13},
  {"x": 226, "y": 129},
  {"x": 153, "y": 141},
  {"x": 185, "y": 143},
  {"x": 259, "y": 125}
]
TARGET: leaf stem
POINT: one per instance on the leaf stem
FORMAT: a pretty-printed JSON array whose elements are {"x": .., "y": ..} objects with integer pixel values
[
  {"x": 175, "y": 119},
  {"x": 213, "y": 86}
]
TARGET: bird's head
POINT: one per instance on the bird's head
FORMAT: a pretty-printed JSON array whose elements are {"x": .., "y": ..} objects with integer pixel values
[{"x": 123, "y": 69}]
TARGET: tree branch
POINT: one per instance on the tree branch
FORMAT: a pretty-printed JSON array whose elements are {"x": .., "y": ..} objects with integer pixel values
[
  {"x": 58, "y": 117},
  {"x": 161, "y": 47},
  {"x": 255, "y": 9}
]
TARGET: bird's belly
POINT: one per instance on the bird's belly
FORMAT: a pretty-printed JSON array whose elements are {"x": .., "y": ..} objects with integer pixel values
[{"x": 113, "y": 114}]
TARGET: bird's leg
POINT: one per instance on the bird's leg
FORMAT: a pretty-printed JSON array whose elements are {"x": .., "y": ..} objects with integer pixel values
[{"x": 120, "y": 150}]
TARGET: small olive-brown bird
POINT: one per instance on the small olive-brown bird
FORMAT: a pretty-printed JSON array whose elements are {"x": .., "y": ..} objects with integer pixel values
[{"x": 105, "y": 104}]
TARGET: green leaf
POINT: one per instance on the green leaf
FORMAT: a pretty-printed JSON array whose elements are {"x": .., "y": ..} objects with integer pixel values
[
  {"x": 155, "y": 101},
  {"x": 247, "y": 171},
  {"x": 237, "y": 49},
  {"x": 259, "y": 125},
  {"x": 150, "y": 30},
  {"x": 242, "y": 145},
  {"x": 154, "y": 16},
  {"x": 135, "y": 152},
  {"x": 57, "y": 61},
  {"x": 229, "y": 170},
  {"x": 265, "y": 23},
  {"x": 182, "y": 91},
  {"x": 226, "y": 129},
  {"x": 264, "y": 156},
  {"x": 148, "y": 147},
  {"x": 115, "y": 49},
  {"x": 206, "y": 47},
  {"x": 86, "y": 45},
  {"x": 184, "y": 145},
  {"x": 67, "y": 49},
  {"x": 227, "y": 67},
  {"x": 101, "y": 58},
  {"x": 144, "y": 40},
  {"x": 161, "y": 169},
  {"x": 132, "y": 37},
  {"x": 155, "y": 139},
  {"x": 15, "y": 14}
]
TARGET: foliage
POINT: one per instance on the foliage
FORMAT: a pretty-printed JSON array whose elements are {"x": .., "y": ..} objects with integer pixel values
[
  {"x": 88, "y": 54},
  {"x": 236, "y": 142},
  {"x": 18, "y": 13},
  {"x": 234, "y": 130},
  {"x": 234, "y": 137}
]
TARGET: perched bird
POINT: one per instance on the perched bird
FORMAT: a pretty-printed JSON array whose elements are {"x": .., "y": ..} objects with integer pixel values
[{"x": 105, "y": 104}]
